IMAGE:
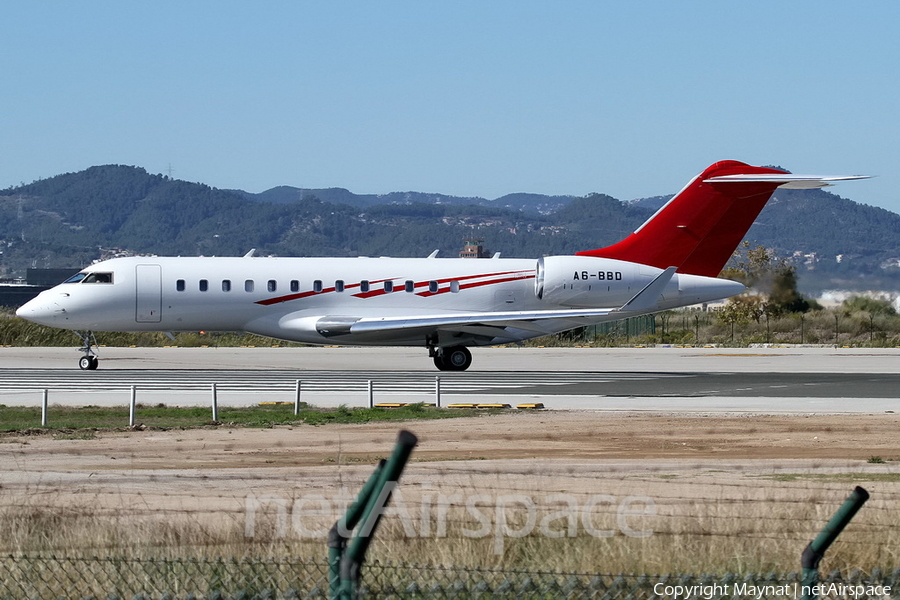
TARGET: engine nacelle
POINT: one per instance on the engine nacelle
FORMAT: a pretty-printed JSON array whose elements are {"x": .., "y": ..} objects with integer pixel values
[{"x": 589, "y": 282}]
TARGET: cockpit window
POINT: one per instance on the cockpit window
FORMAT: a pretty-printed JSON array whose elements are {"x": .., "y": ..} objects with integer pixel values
[
  {"x": 90, "y": 278},
  {"x": 98, "y": 278},
  {"x": 77, "y": 277}
]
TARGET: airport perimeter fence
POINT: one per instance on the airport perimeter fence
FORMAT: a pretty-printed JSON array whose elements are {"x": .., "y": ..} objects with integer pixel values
[
  {"x": 714, "y": 327},
  {"x": 49, "y": 577}
]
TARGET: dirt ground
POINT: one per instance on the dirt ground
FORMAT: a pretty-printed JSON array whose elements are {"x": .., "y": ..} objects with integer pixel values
[
  {"x": 535, "y": 451},
  {"x": 542, "y": 436},
  {"x": 206, "y": 490}
]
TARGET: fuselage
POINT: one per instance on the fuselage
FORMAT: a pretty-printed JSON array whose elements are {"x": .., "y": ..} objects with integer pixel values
[{"x": 290, "y": 298}]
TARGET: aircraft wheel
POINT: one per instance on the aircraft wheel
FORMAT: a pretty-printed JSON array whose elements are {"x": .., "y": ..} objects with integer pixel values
[
  {"x": 457, "y": 358},
  {"x": 439, "y": 362},
  {"x": 88, "y": 363}
]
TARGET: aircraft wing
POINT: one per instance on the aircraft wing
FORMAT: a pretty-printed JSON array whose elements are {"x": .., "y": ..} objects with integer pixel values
[
  {"x": 495, "y": 319},
  {"x": 491, "y": 323},
  {"x": 487, "y": 324}
]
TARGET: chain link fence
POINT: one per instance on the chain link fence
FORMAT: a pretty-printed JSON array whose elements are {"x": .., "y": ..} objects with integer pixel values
[
  {"x": 46, "y": 577},
  {"x": 50, "y": 577}
]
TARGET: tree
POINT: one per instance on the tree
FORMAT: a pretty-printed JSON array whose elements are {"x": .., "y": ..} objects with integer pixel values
[
  {"x": 743, "y": 309},
  {"x": 784, "y": 297},
  {"x": 773, "y": 278}
]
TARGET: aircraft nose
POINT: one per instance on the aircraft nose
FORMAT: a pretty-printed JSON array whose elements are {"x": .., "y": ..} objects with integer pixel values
[
  {"x": 29, "y": 310},
  {"x": 39, "y": 310}
]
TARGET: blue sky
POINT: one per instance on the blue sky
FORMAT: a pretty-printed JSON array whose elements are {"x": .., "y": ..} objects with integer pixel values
[{"x": 468, "y": 98}]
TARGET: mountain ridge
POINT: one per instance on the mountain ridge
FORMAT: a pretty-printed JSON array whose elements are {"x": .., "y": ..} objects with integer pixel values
[
  {"x": 75, "y": 218},
  {"x": 524, "y": 201}
]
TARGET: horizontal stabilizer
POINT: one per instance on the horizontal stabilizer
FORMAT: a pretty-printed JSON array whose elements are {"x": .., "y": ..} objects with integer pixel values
[{"x": 788, "y": 181}]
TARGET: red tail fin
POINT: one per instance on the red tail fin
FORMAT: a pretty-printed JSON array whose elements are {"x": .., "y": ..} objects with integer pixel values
[{"x": 699, "y": 228}]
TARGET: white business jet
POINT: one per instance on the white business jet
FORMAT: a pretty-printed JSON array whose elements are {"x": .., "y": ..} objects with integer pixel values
[{"x": 443, "y": 304}]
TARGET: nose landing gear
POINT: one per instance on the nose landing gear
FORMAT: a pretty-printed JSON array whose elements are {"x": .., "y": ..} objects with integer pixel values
[{"x": 89, "y": 361}]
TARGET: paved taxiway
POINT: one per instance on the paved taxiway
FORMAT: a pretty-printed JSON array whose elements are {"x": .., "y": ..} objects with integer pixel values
[{"x": 756, "y": 380}]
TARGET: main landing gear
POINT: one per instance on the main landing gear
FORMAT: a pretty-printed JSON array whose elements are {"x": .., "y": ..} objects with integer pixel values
[
  {"x": 89, "y": 361},
  {"x": 454, "y": 358}
]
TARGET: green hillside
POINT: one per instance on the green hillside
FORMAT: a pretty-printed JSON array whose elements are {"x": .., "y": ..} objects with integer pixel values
[{"x": 75, "y": 218}]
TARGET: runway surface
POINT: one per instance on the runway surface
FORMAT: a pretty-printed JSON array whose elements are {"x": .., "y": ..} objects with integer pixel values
[{"x": 765, "y": 380}]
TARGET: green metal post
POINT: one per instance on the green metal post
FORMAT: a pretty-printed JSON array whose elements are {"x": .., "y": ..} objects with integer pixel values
[
  {"x": 340, "y": 531},
  {"x": 814, "y": 552},
  {"x": 355, "y": 554}
]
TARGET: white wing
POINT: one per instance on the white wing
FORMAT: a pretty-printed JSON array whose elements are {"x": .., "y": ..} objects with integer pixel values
[{"x": 490, "y": 323}]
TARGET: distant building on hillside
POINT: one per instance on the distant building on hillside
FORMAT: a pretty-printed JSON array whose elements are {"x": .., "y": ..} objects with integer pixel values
[{"x": 474, "y": 249}]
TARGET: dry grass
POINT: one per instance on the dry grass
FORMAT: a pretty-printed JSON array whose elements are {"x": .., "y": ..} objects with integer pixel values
[
  {"x": 749, "y": 503},
  {"x": 703, "y": 521}
]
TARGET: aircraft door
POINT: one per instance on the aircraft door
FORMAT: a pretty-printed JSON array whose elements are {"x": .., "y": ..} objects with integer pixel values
[{"x": 148, "y": 282}]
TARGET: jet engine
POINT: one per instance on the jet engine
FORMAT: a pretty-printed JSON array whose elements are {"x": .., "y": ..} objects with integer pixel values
[{"x": 591, "y": 282}]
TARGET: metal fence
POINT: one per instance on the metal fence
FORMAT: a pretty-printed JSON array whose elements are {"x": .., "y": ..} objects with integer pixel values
[{"x": 51, "y": 577}]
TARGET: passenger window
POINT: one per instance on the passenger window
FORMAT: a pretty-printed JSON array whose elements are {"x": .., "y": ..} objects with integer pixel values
[
  {"x": 388, "y": 286},
  {"x": 410, "y": 285},
  {"x": 339, "y": 285},
  {"x": 204, "y": 285},
  {"x": 295, "y": 285},
  {"x": 364, "y": 286},
  {"x": 248, "y": 285},
  {"x": 226, "y": 285},
  {"x": 179, "y": 285},
  {"x": 272, "y": 285},
  {"x": 317, "y": 286},
  {"x": 454, "y": 286},
  {"x": 433, "y": 287}
]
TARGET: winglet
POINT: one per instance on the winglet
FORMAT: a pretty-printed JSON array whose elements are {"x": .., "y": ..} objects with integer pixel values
[{"x": 648, "y": 298}]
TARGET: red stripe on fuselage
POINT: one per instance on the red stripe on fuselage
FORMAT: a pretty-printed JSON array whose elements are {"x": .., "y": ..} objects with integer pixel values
[
  {"x": 467, "y": 286},
  {"x": 401, "y": 287}
]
